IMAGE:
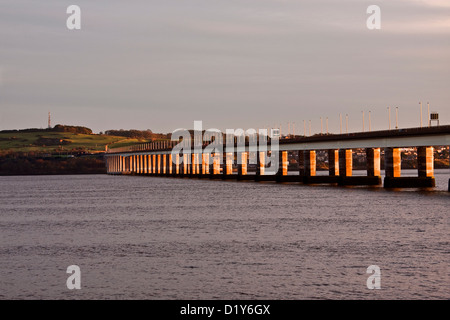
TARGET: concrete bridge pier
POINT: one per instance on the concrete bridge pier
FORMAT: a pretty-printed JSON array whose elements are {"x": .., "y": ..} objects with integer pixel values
[
  {"x": 309, "y": 160},
  {"x": 193, "y": 165},
  {"x": 108, "y": 165},
  {"x": 345, "y": 162},
  {"x": 149, "y": 163},
  {"x": 114, "y": 165},
  {"x": 184, "y": 170},
  {"x": 260, "y": 165},
  {"x": 163, "y": 164},
  {"x": 425, "y": 162},
  {"x": 132, "y": 164},
  {"x": 204, "y": 168},
  {"x": 111, "y": 165},
  {"x": 176, "y": 165},
  {"x": 333, "y": 162},
  {"x": 242, "y": 166},
  {"x": 392, "y": 167},
  {"x": 168, "y": 164},
  {"x": 373, "y": 177},
  {"x": 158, "y": 164},
  {"x": 145, "y": 164},
  {"x": 346, "y": 167},
  {"x": 283, "y": 168},
  {"x": 227, "y": 166},
  {"x": 425, "y": 165},
  {"x": 180, "y": 164},
  {"x": 153, "y": 164},
  {"x": 137, "y": 164},
  {"x": 215, "y": 166},
  {"x": 301, "y": 164},
  {"x": 199, "y": 160}
]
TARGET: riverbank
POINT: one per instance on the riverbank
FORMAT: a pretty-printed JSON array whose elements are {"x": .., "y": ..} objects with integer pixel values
[{"x": 51, "y": 166}]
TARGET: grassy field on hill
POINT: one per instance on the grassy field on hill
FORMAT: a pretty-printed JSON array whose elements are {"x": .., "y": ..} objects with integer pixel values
[{"x": 48, "y": 142}]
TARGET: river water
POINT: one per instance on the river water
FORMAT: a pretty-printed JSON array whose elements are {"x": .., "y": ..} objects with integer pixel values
[{"x": 169, "y": 238}]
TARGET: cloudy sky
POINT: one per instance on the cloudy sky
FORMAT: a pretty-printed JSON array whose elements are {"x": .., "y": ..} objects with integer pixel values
[{"x": 162, "y": 64}]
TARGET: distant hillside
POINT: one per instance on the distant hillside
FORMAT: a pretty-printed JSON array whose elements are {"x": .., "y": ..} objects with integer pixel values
[
  {"x": 57, "y": 128},
  {"x": 137, "y": 134},
  {"x": 59, "y": 139}
]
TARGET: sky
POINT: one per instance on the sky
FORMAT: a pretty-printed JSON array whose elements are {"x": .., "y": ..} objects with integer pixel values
[{"x": 163, "y": 64}]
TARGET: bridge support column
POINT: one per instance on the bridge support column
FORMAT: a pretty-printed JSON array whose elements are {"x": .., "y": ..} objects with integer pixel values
[
  {"x": 206, "y": 157},
  {"x": 373, "y": 177},
  {"x": 181, "y": 164},
  {"x": 176, "y": 164},
  {"x": 216, "y": 165},
  {"x": 301, "y": 163},
  {"x": 346, "y": 170},
  {"x": 283, "y": 168},
  {"x": 132, "y": 164},
  {"x": 227, "y": 166},
  {"x": 169, "y": 165},
  {"x": 392, "y": 162},
  {"x": 345, "y": 162},
  {"x": 145, "y": 171},
  {"x": 199, "y": 160},
  {"x": 392, "y": 166},
  {"x": 136, "y": 162},
  {"x": 185, "y": 164},
  {"x": 193, "y": 164},
  {"x": 373, "y": 162},
  {"x": 203, "y": 167},
  {"x": 333, "y": 162},
  {"x": 158, "y": 156},
  {"x": 425, "y": 161},
  {"x": 425, "y": 169},
  {"x": 149, "y": 163},
  {"x": 309, "y": 162},
  {"x": 309, "y": 165},
  {"x": 188, "y": 164},
  {"x": 260, "y": 164},
  {"x": 242, "y": 160},
  {"x": 154, "y": 164},
  {"x": 164, "y": 164}
]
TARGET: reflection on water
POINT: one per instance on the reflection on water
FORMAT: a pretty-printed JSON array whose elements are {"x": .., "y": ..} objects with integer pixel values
[{"x": 166, "y": 238}]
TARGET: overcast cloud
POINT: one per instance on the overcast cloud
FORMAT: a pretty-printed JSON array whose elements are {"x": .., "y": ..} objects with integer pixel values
[{"x": 231, "y": 63}]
